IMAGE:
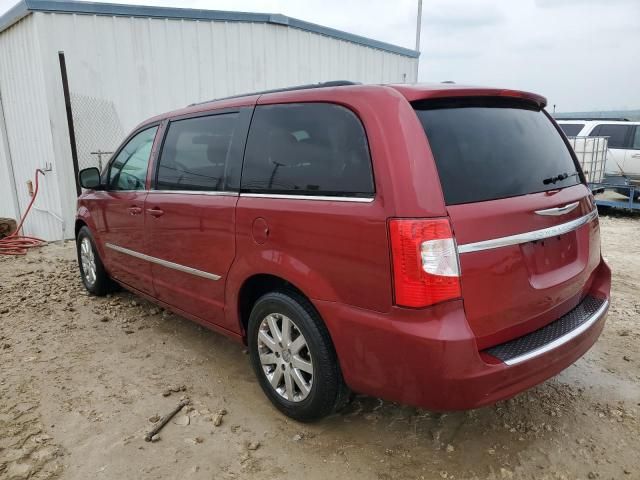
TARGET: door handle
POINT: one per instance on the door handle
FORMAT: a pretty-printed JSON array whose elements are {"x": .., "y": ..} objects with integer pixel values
[
  {"x": 134, "y": 210},
  {"x": 156, "y": 212},
  {"x": 635, "y": 155}
]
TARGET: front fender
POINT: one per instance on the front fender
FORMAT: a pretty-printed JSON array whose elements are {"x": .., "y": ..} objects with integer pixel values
[{"x": 84, "y": 215}]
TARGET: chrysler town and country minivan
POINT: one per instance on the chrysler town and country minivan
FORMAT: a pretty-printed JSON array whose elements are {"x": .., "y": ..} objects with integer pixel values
[{"x": 433, "y": 245}]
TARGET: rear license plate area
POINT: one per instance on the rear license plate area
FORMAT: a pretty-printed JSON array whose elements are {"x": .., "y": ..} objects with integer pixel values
[{"x": 543, "y": 256}]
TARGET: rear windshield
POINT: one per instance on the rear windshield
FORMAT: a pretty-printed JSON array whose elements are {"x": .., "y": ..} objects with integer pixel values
[
  {"x": 571, "y": 129},
  {"x": 489, "y": 148}
]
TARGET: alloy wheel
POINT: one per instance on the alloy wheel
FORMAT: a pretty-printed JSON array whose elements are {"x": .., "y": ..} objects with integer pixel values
[
  {"x": 285, "y": 357},
  {"x": 88, "y": 260}
]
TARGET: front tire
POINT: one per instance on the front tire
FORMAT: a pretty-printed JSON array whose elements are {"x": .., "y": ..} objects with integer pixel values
[
  {"x": 94, "y": 276},
  {"x": 293, "y": 357}
]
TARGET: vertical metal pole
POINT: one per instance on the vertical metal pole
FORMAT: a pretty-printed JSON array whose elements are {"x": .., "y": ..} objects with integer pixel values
[
  {"x": 7, "y": 152},
  {"x": 594, "y": 158},
  {"x": 72, "y": 133},
  {"x": 418, "y": 28},
  {"x": 418, "y": 24}
]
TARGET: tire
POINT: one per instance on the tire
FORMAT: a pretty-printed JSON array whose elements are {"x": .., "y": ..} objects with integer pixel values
[
  {"x": 95, "y": 279},
  {"x": 326, "y": 390}
]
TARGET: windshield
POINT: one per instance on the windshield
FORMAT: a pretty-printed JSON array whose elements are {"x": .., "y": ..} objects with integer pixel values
[{"x": 489, "y": 148}]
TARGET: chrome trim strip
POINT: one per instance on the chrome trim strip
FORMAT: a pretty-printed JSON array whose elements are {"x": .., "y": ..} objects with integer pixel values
[
  {"x": 164, "y": 263},
  {"x": 120, "y": 191},
  {"x": 559, "y": 210},
  {"x": 197, "y": 192},
  {"x": 529, "y": 236},
  {"x": 563, "y": 339},
  {"x": 183, "y": 192},
  {"x": 309, "y": 197}
]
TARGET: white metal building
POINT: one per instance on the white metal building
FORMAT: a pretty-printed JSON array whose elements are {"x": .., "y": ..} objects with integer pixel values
[{"x": 125, "y": 63}]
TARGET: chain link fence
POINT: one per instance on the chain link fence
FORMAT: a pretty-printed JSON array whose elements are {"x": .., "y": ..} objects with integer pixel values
[{"x": 98, "y": 130}]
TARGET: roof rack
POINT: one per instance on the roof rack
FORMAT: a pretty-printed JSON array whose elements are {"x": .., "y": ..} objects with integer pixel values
[
  {"x": 333, "y": 83},
  {"x": 590, "y": 119}
]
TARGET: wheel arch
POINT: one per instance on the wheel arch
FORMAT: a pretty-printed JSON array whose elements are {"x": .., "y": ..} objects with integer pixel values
[
  {"x": 84, "y": 219},
  {"x": 254, "y": 287},
  {"x": 79, "y": 224}
]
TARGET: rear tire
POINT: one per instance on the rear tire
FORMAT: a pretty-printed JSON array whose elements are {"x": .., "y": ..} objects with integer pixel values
[
  {"x": 293, "y": 357},
  {"x": 94, "y": 276}
]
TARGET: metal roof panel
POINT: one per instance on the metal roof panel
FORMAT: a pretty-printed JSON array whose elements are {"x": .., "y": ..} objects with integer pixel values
[{"x": 25, "y": 7}]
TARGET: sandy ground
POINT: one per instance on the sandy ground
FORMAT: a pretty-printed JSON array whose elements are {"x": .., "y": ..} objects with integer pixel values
[{"x": 83, "y": 378}]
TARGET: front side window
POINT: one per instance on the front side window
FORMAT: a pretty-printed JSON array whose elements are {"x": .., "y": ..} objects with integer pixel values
[
  {"x": 307, "y": 149},
  {"x": 195, "y": 153},
  {"x": 618, "y": 134},
  {"x": 128, "y": 171}
]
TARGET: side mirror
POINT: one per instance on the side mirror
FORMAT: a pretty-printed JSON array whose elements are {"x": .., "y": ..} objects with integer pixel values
[{"x": 89, "y": 178}]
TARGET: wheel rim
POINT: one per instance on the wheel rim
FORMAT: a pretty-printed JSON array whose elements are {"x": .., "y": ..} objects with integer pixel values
[
  {"x": 88, "y": 261},
  {"x": 285, "y": 357}
]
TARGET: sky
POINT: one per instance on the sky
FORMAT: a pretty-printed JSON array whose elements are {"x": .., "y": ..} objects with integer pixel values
[{"x": 583, "y": 55}]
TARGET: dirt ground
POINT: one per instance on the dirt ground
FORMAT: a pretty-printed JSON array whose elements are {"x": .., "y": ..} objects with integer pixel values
[{"x": 83, "y": 378}]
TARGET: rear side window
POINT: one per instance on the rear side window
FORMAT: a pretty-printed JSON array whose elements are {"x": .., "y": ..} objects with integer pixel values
[
  {"x": 487, "y": 149},
  {"x": 619, "y": 135},
  {"x": 571, "y": 129},
  {"x": 307, "y": 149},
  {"x": 195, "y": 153}
]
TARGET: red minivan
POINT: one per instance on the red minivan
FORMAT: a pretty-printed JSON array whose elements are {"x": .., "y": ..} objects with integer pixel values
[{"x": 433, "y": 245}]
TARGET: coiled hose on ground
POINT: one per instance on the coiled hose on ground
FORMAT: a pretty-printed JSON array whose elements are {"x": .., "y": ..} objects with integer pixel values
[{"x": 16, "y": 244}]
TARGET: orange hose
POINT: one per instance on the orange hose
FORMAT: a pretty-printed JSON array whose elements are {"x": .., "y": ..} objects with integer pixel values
[{"x": 16, "y": 244}]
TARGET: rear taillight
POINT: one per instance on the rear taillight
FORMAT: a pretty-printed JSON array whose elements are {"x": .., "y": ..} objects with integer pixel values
[{"x": 425, "y": 262}]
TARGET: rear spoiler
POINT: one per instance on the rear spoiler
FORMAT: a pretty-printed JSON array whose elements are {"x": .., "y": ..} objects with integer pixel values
[{"x": 414, "y": 92}]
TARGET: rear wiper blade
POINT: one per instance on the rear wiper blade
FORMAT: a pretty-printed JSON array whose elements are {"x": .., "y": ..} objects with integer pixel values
[{"x": 558, "y": 178}]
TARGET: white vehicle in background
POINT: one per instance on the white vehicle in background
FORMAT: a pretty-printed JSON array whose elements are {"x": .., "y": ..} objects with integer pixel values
[{"x": 623, "y": 156}]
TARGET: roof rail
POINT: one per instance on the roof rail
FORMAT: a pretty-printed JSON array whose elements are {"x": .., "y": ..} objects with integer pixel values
[
  {"x": 591, "y": 119},
  {"x": 332, "y": 83}
]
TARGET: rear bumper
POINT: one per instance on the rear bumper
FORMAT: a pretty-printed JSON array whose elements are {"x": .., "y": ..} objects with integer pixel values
[{"x": 430, "y": 359}]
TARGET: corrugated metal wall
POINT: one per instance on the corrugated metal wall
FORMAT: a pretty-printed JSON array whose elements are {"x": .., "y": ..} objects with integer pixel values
[
  {"x": 123, "y": 69},
  {"x": 8, "y": 199},
  {"x": 28, "y": 131}
]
